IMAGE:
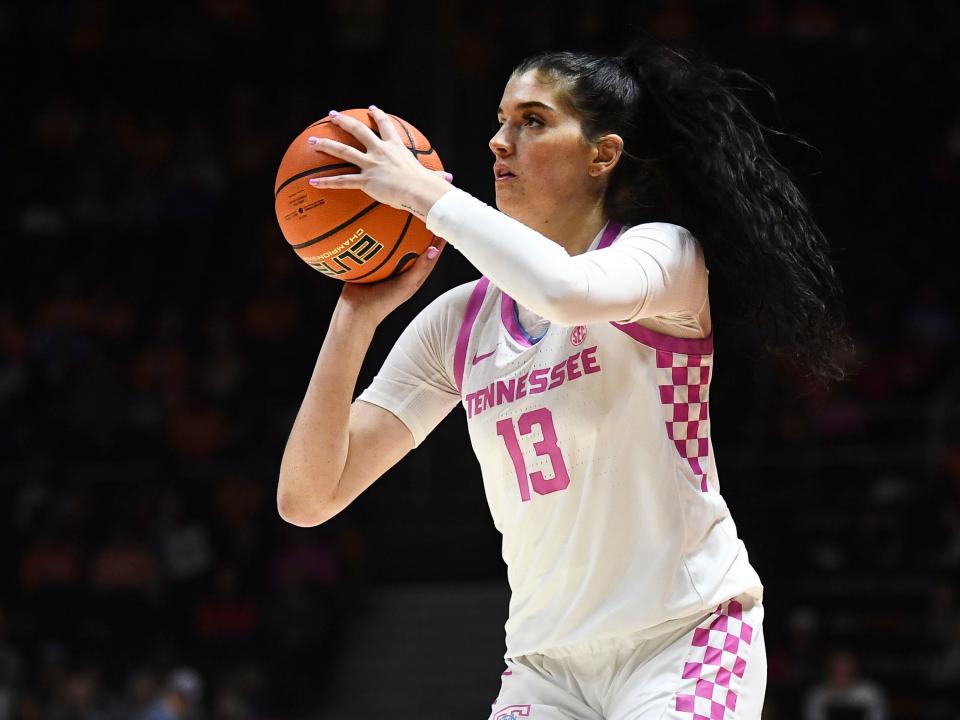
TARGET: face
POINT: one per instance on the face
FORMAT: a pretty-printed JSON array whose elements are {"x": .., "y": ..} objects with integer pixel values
[{"x": 542, "y": 166}]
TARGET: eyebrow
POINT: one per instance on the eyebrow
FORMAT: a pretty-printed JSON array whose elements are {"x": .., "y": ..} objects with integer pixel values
[{"x": 530, "y": 104}]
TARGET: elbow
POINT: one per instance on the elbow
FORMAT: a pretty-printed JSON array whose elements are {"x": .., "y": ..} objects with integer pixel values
[
  {"x": 296, "y": 515},
  {"x": 302, "y": 511}
]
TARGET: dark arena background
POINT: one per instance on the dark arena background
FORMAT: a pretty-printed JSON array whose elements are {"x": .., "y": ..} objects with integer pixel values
[{"x": 157, "y": 334}]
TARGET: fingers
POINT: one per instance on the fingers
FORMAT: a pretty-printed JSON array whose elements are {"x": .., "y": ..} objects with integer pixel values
[
  {"x": 426, "y": 263},
  {"x": 428, "y": 259},
  {"x": 361, "y": 132},
  {"x": 388, "y": 130},
  {"x": 339, "y": 150},
  {"x": 353, "y": 181}
]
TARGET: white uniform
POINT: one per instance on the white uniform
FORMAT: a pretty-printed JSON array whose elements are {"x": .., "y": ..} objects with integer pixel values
[{"x": 594, "y": 445}]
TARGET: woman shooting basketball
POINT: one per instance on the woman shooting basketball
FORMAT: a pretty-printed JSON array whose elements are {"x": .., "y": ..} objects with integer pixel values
[{"x": 583, "y": 360}]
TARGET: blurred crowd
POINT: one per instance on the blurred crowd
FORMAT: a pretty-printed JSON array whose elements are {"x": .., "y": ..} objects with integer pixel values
[{"x": 156, "y": 336}]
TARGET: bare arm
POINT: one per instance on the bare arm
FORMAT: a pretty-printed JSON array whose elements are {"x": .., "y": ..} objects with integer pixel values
[
  {"x": 336, "y": 448},
  {"x": 319, "y": 475}
]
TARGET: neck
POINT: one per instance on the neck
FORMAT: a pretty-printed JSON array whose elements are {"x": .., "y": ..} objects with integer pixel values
[{"x": 572, "y": 225}]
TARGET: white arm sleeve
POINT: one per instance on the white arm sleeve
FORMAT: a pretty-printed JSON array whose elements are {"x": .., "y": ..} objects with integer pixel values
[
  {"x": 653, "y": 269},
  {"x": 416, "y": 382}
]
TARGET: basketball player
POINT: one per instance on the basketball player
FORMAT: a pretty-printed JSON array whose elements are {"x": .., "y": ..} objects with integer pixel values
[{"x": 583, "y": 359}]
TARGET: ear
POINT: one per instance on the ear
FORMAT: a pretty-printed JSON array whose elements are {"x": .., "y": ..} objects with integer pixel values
[{"x": 607, "y": 152}]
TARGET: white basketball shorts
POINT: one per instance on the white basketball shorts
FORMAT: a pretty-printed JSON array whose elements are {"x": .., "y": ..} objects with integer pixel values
[{"x": 713, "y": 668}]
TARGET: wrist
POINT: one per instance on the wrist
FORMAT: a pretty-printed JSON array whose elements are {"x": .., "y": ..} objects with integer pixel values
[
  {"x": 358, "y": 317},
  {"x": 423, "y": 195}
]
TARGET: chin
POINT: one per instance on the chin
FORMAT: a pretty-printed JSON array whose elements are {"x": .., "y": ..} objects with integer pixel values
[
  {"x": 509, "y": 206},
  {"x": 511, "y": 211}
]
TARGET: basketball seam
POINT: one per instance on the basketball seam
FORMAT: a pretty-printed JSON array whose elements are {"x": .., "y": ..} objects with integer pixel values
[
  {"x": 413, "y": 145},
  {"x": 335, "y": 166},
  {"x": 338, "y": 166},
  {"x": 401, "y": 264},
  {"x": 396, "y": 245},
  {"x": 337, "y": 229}
]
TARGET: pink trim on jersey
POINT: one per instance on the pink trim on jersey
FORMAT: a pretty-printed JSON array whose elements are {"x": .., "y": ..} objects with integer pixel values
[
  {"x": 667, "y": 343},
  {"x": 510, "y": 320},
  {"x": 719, "y": 659},
  {"x": 609, "y": 234},
  {"x": 658, "y": 340},
  {"x": 469, "y": 318}
]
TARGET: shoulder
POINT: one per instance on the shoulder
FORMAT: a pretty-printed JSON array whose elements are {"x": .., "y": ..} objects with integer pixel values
[
  {"x": 664, "y": 233},
  {"x": 674, "y": 267},
  {"x": 670, "y": 245}
]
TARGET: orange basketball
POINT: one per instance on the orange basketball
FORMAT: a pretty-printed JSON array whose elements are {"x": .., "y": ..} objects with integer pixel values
[{"x": 345, "y": 233}]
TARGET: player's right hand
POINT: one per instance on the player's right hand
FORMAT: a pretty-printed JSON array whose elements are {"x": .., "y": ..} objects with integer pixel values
[{"x": 377, "y": 300}]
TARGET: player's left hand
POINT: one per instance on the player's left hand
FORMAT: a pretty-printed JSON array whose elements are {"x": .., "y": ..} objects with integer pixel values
[{"x": 389, "y": 172}]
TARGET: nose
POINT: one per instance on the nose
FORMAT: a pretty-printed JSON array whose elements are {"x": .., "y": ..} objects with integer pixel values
[{"x": 500, "y": 143}]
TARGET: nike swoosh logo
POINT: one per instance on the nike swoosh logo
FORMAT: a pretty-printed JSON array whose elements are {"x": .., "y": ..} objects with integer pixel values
[{"x": 478, "y": 358}]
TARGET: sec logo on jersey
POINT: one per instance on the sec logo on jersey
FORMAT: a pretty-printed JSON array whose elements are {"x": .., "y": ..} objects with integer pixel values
[{"x": 578, "y": 335}]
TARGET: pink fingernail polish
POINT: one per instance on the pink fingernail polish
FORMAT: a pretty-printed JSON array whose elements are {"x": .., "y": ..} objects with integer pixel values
[
  {"x": 314, "y": 181},
  {"x": 372, "y": 107},
  {"x": 333, "y": 113},
  {"x": 448, "y": 177},
  {"x": 313, "y": 140},
  {"x": 432, "y": 252}
]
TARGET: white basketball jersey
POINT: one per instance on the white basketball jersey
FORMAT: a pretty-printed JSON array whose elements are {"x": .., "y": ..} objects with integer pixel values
[{"x": 594, "y": 445}]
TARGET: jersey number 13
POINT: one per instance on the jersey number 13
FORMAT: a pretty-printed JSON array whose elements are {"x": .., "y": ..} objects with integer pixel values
[{"x": 542, "y": 418}]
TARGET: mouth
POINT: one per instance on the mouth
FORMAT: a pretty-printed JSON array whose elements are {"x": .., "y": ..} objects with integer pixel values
[{"x": 502, "y": 174}]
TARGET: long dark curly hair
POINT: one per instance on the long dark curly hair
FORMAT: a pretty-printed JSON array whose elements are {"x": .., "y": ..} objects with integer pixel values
[{"x": 695, "y": 155}]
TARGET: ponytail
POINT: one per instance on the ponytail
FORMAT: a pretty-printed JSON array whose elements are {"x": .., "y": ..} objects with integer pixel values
[{"x": 694, "y": 155}]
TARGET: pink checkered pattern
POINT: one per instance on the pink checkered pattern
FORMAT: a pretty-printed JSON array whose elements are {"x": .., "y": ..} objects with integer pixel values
[
  {"x": 684, "y": 393},
  {"x": 718, "y": 661}
]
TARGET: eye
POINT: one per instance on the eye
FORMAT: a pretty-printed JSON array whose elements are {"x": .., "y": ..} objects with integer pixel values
[{"x": 533, "y": 121}]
